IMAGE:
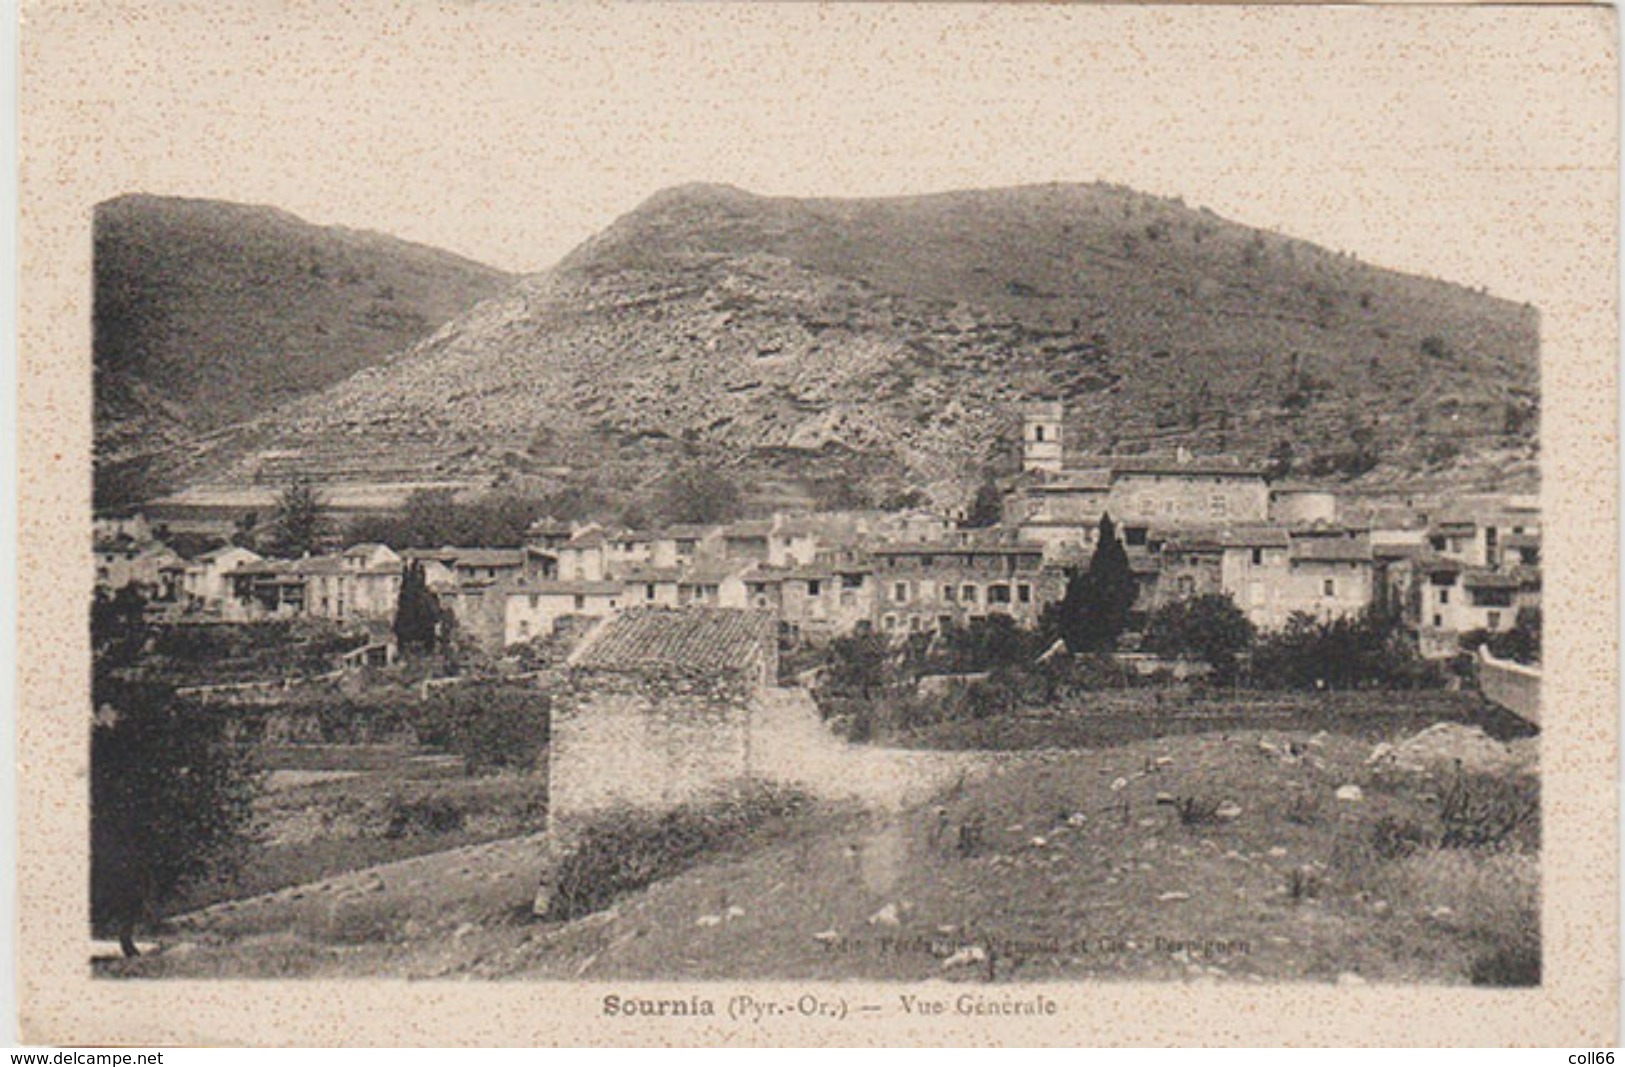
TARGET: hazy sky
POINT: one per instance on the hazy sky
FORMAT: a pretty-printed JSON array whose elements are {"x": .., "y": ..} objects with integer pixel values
[{"x": 1414, "y": 138}]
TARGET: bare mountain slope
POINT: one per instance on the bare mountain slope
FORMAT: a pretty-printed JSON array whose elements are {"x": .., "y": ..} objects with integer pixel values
[
  {"x": 208, "y": 313},
  {"x": 892, "y": 341}
]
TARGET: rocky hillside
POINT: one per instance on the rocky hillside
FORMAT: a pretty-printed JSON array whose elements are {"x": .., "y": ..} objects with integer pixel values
[
  {"x": 209, "y": 313},
  {"x": 888, "y": 343}
]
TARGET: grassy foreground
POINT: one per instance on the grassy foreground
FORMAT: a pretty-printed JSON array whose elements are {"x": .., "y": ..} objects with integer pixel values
[{"x": 1241, "y": 856}]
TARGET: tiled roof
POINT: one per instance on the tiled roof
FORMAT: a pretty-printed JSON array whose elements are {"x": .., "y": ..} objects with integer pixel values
[
  {"x": 1491, "y": 580},
  {"x": 1118, "y": 465},
  {"x": 487, "y": 557},
  {"x": 750, "y": 529},
  {"x": 683, "y": 531},
  {"x": 1523, "y": 540},
  {"x": 685, "y": 640},
  {"x": 1331, "y": 550},
  {"x": 1074, "y": 482},
  {"x": 646, "y": 573},
  {"x": 563, "y": 589},
  {"x": 1255, "y": 537},
  {"x": 954, "y": 548}
]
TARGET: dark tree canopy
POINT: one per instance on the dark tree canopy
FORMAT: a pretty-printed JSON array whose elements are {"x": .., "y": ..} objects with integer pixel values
[
  {"x": 987, "y": 508},
  {"x": 700, "y": 495},
  {"x": 1095, "y": 607},
  {"x": 417, "y": 612},
  {"x": 169, "y": 800},
  {"x": 1207, "y": 628},
  {"x": 300, "y": 524}
]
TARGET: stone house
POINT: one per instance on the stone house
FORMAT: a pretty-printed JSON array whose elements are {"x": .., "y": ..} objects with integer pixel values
[
  {"x": 658, "y": 706},
  {"x": 122, "y": 562},
  {"x": 1300, "y": 504},
  {"x": 650, "y": 586},
  {"x": 205, "y": 581},
  {"x": 1458, "y": 598},
  {"x": 923, "y": 587},
  {"x": 533, "y": 609},
  {"x": 1272, "y": 574},
  {"x": 832, "y": 597},
  {"x": 583, "y": 557}
]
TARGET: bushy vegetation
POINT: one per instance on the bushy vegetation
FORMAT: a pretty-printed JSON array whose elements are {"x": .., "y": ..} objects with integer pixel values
[
  {"x": 1368, "y": 650},
  {"x": 1209, "y": 628},
  {"x": 627, "y": 849},
  {"x": 1521, "y": 643},
  {"x": 170, "y": 801},
  {"x": 432, "y": 518}
]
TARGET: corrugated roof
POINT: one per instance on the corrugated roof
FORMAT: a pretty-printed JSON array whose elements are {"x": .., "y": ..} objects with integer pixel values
[{"x": 685, "y": 640}]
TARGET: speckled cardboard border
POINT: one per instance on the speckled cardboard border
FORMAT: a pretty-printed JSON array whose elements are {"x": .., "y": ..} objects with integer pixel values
[{"x": 78, "y": 147}]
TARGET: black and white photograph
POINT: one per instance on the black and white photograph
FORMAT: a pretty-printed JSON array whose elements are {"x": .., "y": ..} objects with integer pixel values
[{"x": 985, "y": 503}]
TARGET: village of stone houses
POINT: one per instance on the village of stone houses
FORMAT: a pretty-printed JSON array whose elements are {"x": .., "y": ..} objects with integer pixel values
[{"x": 1056, "y": 583}]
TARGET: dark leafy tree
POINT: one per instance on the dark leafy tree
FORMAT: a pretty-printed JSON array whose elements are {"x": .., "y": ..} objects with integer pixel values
[
  {"x": 1521, "y": 643},
  {"x": 1207, "y": 628},
  {"x": 418, "y": 614},
  {"x": 701, "y": 495},
  {"x": 170, "y": 801},
  {"x": 1095, "y": 608},
  {"x": 859, "y": 664},
  {"x": 300, "y": 524},
  {"x": 1367, "y": 650},
  {"x": 987, "y": 508}
]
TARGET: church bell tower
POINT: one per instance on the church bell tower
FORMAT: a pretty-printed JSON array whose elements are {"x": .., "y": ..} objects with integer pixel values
[{"x": 1041, "y": 436}]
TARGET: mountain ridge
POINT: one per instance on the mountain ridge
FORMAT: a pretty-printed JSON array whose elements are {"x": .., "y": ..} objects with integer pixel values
[
  {"x": 207, "y": 313},
  {"x": 888, "y": 343}
]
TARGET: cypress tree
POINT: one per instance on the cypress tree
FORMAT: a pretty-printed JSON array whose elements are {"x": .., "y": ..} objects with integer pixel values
[{"x": 416, "y": 611}]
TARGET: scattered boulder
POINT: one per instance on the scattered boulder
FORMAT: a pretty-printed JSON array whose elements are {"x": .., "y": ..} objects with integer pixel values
[
  {"x": 1446, "y": 745},
  {"x": 886, "y": 916},
  {"x": 965, "y": 957},
  {"x": 1351, "y": 793}
]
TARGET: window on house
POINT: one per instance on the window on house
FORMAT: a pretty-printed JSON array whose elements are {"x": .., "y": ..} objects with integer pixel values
[
  {"x": 649, "y": 591},
  {"x": 1186, "y": 585},
  {"x": 945, "y": 622},
  {"x": 1444, "y": 596},
  {"x": 948, "y": 592},
  {"x": 1438, "y": 622},
  {"x": 927, "y": 561},
  {"x": 899, "y": 592},
  {"x": 1258, "y": 557},
  {"x": 1329, "y": 587},
  {"x": 851, "y": 581},
  {"x": 581, "y": 602},
  {"x": 998, "y": 594},
  {"x": 1024, "y": 593},
  {"x": 814, "y": 588},
  {"x": 914, "y": 623},
  {"x": 1494, "y": 620},
  {"x": 889, "y": 622},
  {"x": 968, "y": 594},
  {"x": 1038, "y": 433}
]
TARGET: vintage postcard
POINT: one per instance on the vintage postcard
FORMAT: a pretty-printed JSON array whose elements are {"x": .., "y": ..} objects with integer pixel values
[{"x": 728, "y": 524}]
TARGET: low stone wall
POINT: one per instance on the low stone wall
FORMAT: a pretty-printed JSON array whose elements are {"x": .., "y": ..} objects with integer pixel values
[{"x": 1513, "y": 686}]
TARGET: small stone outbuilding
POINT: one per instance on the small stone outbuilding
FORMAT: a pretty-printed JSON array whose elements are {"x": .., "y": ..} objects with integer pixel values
[{"x": 659, "y": 705}]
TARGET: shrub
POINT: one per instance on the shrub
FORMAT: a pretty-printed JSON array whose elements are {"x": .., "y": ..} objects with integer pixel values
[
  {"x": 625, "y": 849},
  {"x": 1367, "y": 650},
  {"x": 1197, "y": 811},
  {"x": 1207, "y": 628},
  {"x": 1394, "y": 838},
  {"x": 1486, "y": 810},
  {"x": 424, "y": 815},
  {"x": 491, "y": 726},
  {"x": 1513, "y": 964},
  {"x": 170, "y": 801}
]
